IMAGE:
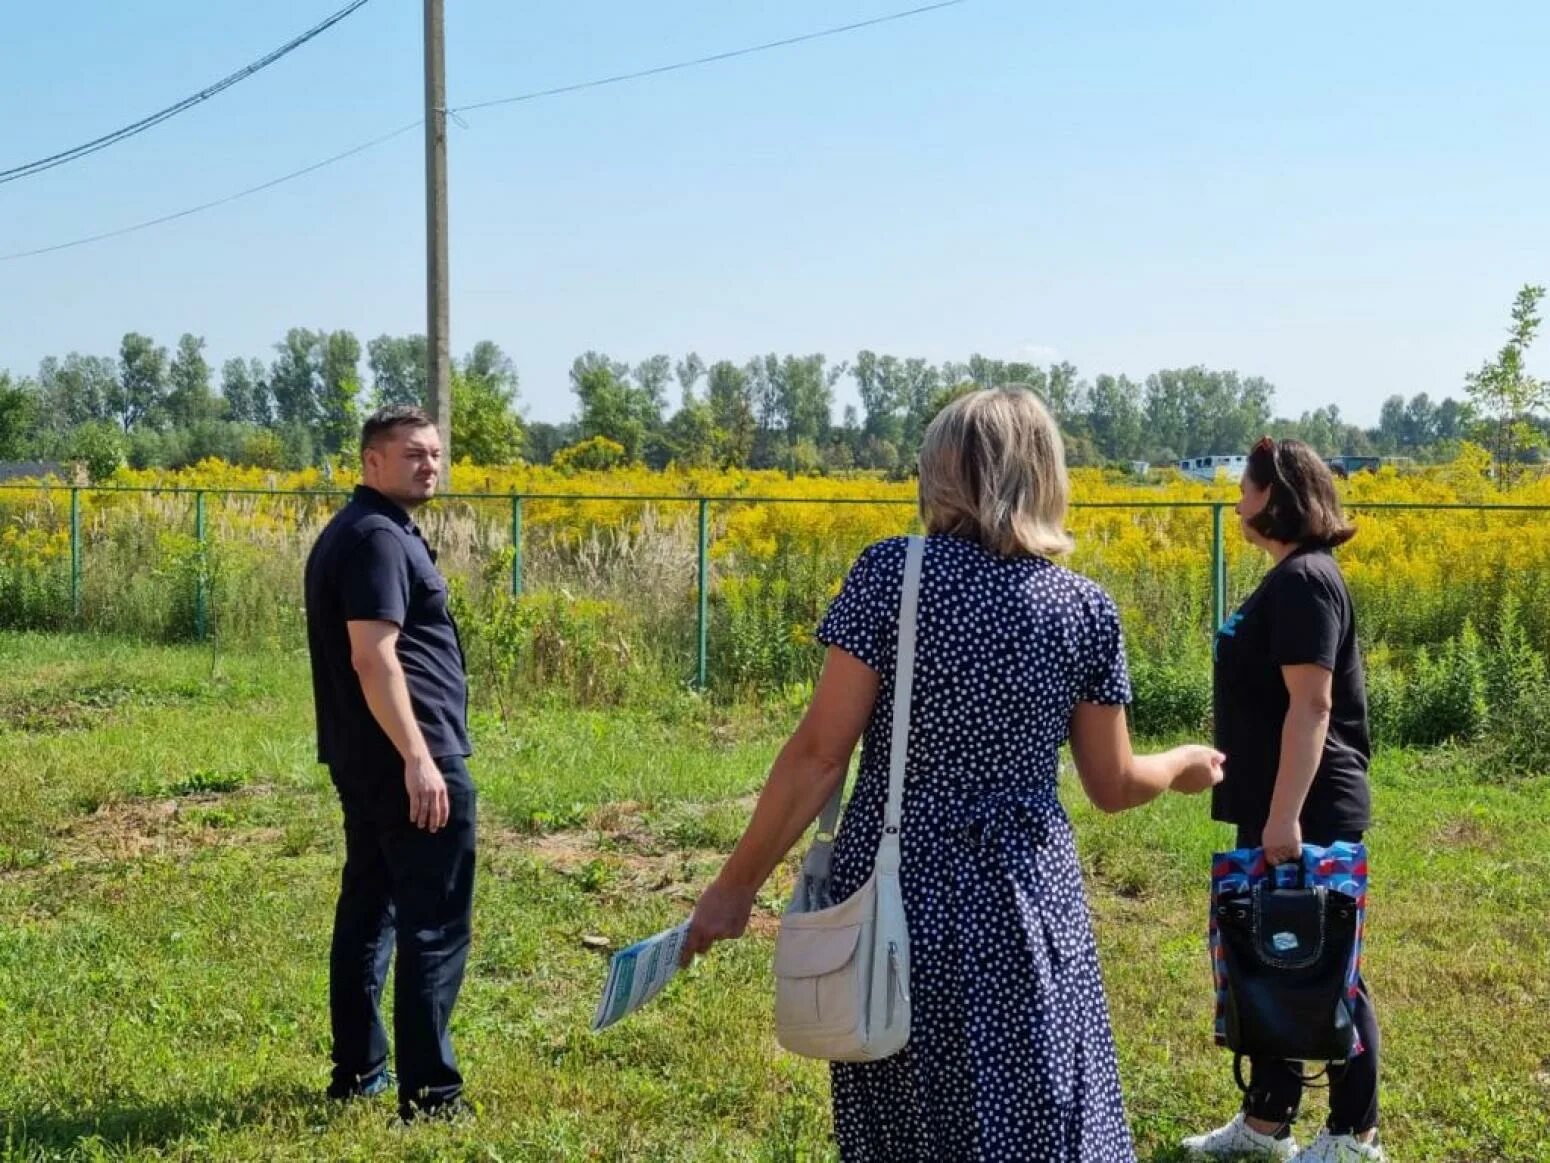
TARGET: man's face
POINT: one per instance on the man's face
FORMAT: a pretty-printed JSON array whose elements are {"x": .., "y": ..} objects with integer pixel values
[{"x": 404, "y": 465}]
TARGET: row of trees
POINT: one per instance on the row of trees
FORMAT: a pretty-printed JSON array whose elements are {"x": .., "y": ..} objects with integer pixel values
[
  {"x": 777, "y": 411},
  {"x": 153, "y": 408},
  {"x": 305, "y": 406}
]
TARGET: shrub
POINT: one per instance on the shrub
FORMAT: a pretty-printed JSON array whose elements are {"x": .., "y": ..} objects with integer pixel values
[
  {"x": 1445, "y": 698},
  {"x": 1171, "y": 697}
]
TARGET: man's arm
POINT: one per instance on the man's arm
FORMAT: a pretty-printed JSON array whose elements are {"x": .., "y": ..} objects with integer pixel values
[{"x": 374, "y": 655}]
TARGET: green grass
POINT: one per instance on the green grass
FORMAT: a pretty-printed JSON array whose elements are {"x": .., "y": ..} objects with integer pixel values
[{"x": 169, "y": 852}]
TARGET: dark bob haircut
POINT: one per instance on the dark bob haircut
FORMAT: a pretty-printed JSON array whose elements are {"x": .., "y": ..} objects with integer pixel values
[
  {"x": 1303, "y": 508},
  {"x": 386, "y": 421}
]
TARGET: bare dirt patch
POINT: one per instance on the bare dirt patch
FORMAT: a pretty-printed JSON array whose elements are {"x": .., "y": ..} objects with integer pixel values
[
  {"x": 619, "y": 853},
  {"x": 134, "y": 829},
  {"x": 1468, "y": 833}
]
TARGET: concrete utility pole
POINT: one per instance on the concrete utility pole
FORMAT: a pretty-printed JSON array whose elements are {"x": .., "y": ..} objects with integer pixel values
[{"x": 438, "y": 347}]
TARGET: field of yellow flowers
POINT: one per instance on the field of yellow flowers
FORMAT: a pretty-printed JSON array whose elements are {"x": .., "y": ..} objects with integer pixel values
[{"x": 609, "y": 560}]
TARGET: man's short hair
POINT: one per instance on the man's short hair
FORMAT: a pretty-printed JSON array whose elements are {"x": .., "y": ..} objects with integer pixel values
[
  {"x": 386, "y": 421},
  {"x": 1303, "y": 507}
]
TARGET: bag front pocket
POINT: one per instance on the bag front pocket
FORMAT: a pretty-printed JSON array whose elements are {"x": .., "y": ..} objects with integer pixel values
[{"x": 817, "y": 980}]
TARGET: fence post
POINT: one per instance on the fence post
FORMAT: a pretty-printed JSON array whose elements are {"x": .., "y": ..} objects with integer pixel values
[
  {"x": 516, "y": 546},
  {"x": 1218, "y": 569},
  {"x": 200, "y": 596},
  {"x": 75, "y": 552},
  {"x": 703, "y": 596}
]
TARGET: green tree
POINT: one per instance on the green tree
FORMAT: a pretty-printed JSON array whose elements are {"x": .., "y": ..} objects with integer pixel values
[
  {"x": 245, "y": 392},
  {"x": 262, "y": 448},
  {"x": 763, "y": 374},
  {"x": 1505, "y": 396},
  {"x": 1115, "y": 418},
  {"x": 609, "y": 405},
  {"x": 1390, "y": 436},
  {"x": 651, "y": 380},
  {"x": 339, "y": 391},
  {"x": 189, "y": 399},
  {"x": 917, "y": 386},
  {"x": 1453, "y": 419},
  {"x": 485, "y": 426},
  {"x": 398, "y": 364},
  {"x": 297, "y": 448},
  {"x": 544, "y": 439},
  {"x": 18, "y": 412},
  {"x": 729, "y": 395},
  {"x": 1420, "y": 423},
  {"x": 294, "y": 378},
  {"x": 100, "y": 446},
  {"x": 987, "y": 373},
  {"x": 141, "y": 391},
  {"x": 691, "y": 435},
  {"x": 1197, "y": 411},
  {"x": 1063, "y": 391},
  {"x": 806, "y": 398},
  {"x": 942, "y": 398},
  {"x": 880, "y": 396},
  {"x": 78, "y": 390},
  {"x": 1167, "y": 416},
  {"x": 690, "y": 370}
]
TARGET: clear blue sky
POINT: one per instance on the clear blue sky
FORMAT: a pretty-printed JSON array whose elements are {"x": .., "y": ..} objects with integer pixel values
[{"x": 1340, "y": 197}]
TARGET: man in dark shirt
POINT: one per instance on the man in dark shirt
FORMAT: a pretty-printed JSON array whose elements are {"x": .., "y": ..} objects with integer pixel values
[{"x": 391, "y": 697}]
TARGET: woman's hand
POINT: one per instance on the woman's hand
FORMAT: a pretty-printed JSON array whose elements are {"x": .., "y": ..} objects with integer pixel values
[
  {"x": 807, "y": 770},
  {"x": 1281, "y": 840},
  {"x": 1200, "y": 769},
  {"x": 720, "y": 914}
]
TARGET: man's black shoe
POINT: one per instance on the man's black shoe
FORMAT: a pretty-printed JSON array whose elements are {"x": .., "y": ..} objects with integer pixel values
[
  {"x": 453, "y": 1110},
  {"x": 379, "y": 1083}
]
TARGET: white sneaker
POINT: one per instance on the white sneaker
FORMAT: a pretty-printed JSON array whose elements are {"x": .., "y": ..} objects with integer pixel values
[
  {"x": 1328, "y": 1148},
  {"x": 1238, "y": 1140}
]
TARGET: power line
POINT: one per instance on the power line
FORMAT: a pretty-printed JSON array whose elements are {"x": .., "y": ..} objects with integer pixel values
[
  {"x": 706, "y": 60},
  {"x": 269, "y": 185},
  {"x": 108, "y": 139},
  {"x": 521, "y": 97}
]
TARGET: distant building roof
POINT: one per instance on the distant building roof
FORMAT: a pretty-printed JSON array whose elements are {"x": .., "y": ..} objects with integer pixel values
[{"x": 11, "y": 470}]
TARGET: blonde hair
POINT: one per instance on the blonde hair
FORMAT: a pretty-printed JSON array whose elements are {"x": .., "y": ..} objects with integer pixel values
[{"x": 993, "y": 470}]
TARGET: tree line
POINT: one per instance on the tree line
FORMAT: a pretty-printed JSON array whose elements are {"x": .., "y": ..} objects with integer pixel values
[{"x": 152, "y": 408}]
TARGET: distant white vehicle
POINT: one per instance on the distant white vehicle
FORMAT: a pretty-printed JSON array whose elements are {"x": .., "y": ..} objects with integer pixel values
[{"x": 1208, "y": 468}]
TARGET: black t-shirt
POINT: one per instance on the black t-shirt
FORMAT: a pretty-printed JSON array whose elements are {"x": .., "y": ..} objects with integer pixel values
[
  {"x": 1300, "y": 614},
  {"x": 371, "y": 564}
]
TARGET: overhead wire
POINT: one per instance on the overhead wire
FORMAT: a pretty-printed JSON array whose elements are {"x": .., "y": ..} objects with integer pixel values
[
  {"x": 262, "y": 186},
  {"x": 134, "y": 128},
  {"x": 453, "y": 112},
  {"x": 713, "y": 58}
]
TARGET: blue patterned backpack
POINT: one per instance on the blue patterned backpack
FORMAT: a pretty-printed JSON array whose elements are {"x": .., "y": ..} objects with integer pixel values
[{"x": 1286, "y": 945}]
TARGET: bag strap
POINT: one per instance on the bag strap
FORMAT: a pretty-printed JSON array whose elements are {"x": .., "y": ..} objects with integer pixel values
[
  {"x": 903, "y": 688},
  {"x": 1310, "y": 1080}
]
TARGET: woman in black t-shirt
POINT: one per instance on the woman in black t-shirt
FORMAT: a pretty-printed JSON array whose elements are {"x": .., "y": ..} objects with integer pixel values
[{"x": 1290, "y": 704}]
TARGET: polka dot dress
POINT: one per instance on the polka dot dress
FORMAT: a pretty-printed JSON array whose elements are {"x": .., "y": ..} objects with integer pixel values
[{"x": 1010, "y": 1054}]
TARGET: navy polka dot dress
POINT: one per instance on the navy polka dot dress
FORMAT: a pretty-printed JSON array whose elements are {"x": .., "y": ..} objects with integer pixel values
[{"x": 1010, "y": 1054}]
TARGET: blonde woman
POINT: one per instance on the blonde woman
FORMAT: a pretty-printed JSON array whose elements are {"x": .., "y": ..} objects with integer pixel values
[{"x": 1011, "y": 1054}]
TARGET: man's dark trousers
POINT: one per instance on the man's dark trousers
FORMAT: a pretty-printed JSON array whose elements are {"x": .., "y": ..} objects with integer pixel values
[{"x": 402, "y": 882}]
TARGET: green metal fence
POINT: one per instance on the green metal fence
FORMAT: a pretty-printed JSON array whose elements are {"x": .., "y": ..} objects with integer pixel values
[{"x": 703, "y": 504}]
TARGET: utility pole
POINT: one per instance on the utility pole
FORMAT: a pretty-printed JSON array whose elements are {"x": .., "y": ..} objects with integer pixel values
[{"x": 438, "y": 347}]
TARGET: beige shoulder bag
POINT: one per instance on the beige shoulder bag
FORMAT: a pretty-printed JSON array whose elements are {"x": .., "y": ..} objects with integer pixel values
[{"x": 842, "y": 971}]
